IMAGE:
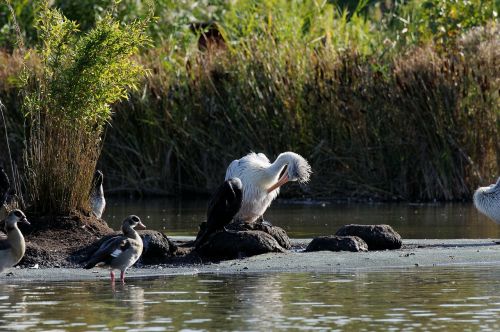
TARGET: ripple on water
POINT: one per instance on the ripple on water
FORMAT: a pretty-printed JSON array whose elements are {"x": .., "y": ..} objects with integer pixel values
[{"x": 364, "y": 301}]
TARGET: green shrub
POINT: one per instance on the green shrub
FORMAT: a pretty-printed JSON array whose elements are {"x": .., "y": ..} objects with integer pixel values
[{"x": 67, "y": 100}]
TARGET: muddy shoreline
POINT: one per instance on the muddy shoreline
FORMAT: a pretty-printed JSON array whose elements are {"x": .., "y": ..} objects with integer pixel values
[{"x": 415, "y": 254}]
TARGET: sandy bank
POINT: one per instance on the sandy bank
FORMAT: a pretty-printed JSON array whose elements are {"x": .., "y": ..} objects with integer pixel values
[{"x": 414, "y": 254}]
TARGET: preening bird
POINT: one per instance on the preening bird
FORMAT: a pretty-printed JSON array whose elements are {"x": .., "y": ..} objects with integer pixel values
[
  {"x": 223, "y": 206},
  {"x": 120, "y": 252},
  {"x": 487, "y": 201},
  {"x": 97, "y": 200},
  {"x": 4, "y": 186},
  {"x": 261, "y": 180},
  {"x": 13, "y": 247}
]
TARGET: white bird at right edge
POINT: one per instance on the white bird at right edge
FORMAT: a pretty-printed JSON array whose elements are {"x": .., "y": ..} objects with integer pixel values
[
  {"x": 487, "y": 201},
  {"x": 262, "y": 180}
]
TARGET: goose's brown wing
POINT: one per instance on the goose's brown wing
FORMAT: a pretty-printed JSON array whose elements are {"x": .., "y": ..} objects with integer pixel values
[{"x": 108, "y": 250}]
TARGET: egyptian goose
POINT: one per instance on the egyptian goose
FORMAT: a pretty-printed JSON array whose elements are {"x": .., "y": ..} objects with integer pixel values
[
  {"x": 97, "y": 200},
  {"x": 120, "y": 252},
  {"x": 13, "y": 247}
]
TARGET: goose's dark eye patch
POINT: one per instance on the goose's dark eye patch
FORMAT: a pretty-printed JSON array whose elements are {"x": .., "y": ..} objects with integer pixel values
[
  {"x": 135, "y": 219},
  {"x": 18, "y": 214}
]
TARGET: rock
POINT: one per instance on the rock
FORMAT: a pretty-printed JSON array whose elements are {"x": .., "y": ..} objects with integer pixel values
[
  {"x": 277, "y": 233},
  {"x": 157, "y": 246},
  {"x": 236, "y": 244},
  {"x": 337, "y": 243},
  {"x": 378, "y": 237}
]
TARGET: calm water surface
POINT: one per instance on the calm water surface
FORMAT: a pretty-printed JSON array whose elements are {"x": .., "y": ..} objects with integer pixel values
[
  {"x": 449, "y": 299},
  {"x": 432, "y": 221}
]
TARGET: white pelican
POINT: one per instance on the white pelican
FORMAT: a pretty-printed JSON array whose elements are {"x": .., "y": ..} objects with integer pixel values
[
  {"x": 120, "y": 252},
  {"x": 261, "y": 180},
  {"x": 487, "y": 201}
]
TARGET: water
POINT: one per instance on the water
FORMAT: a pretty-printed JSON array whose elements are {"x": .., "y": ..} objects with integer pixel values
[
  {"x": 434, "y": 221},
  {"x": 450, "y": 299},
  {"x": 423, "y": 299}
]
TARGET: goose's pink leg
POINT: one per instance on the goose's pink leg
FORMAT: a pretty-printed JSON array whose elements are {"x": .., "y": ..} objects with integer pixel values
[
  {"x": 122, "y": 277},
  {"x": 112, "y": 274}
]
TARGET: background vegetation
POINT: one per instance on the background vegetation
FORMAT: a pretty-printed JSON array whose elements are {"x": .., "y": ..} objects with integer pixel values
[{"x": 387, "y": 99}]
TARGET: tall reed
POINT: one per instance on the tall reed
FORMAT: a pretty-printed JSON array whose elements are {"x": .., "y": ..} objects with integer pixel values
[{"x": 418, "y": 126}]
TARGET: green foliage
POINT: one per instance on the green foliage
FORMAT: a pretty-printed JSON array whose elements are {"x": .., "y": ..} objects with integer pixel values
[
  {"x": 67, "y": 102},
  {"x": 82, "y": 75},
  {"x": 25, "y": 14},
  {"x": 440, "y": 21}
]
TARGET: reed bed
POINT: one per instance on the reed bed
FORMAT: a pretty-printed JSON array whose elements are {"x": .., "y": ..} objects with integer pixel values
[{"x": 388, "y": 114}]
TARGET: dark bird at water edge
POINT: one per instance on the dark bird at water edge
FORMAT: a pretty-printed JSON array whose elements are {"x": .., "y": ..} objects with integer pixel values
[{"x": 223, "y": 206}]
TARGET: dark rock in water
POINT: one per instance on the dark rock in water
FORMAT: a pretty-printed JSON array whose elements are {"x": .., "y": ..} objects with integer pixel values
[
  {"x": 231, "y": 244},
  {"x": 337, "y": 243},
  {"x": 277, "y": 233},
  {"x": 378, "y": 237},
  {"x": 157, "y": 246}
]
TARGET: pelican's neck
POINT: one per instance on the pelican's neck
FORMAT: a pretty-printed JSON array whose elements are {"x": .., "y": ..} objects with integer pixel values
[{"x": 275, "y": 169}]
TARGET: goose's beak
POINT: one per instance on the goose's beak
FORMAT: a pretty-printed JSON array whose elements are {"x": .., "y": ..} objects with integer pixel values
[
  {"x": 140, "y": 226},
  {"x": 25, "y": 221},
  {"x": 282, "y": 181}
]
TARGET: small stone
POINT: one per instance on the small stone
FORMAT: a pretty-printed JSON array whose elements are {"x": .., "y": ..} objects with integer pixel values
[
  {"x": 377, "y": 237},
  {"x": 337, "y": 243},
  {"x": 276, "y": 232}
]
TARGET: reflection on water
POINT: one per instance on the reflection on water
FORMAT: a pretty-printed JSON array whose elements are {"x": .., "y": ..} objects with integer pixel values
[
  {"x": 428, "y": 299},
  {"x": 308, "y": 220}
]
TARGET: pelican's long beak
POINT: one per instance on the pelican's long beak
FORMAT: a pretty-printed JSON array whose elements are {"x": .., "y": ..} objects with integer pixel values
[{"x": 282, "y": 181}]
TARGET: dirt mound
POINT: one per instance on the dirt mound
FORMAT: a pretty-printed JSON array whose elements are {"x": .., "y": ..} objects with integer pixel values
[{"x": 53, "y": 241}]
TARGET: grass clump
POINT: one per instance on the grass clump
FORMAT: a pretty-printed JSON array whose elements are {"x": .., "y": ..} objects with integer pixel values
[{"x": 67, "y": 103}]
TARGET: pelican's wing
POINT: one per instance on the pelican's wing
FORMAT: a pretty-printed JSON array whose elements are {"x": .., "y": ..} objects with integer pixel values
[
  {"x": 263, "y": 157},
  {"x": 233, "y": 170}
]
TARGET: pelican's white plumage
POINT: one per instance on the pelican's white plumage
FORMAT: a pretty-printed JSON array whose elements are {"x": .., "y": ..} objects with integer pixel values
[
  {"x": 261, "y": 180},
  {"x": 487, "y": 201}
]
